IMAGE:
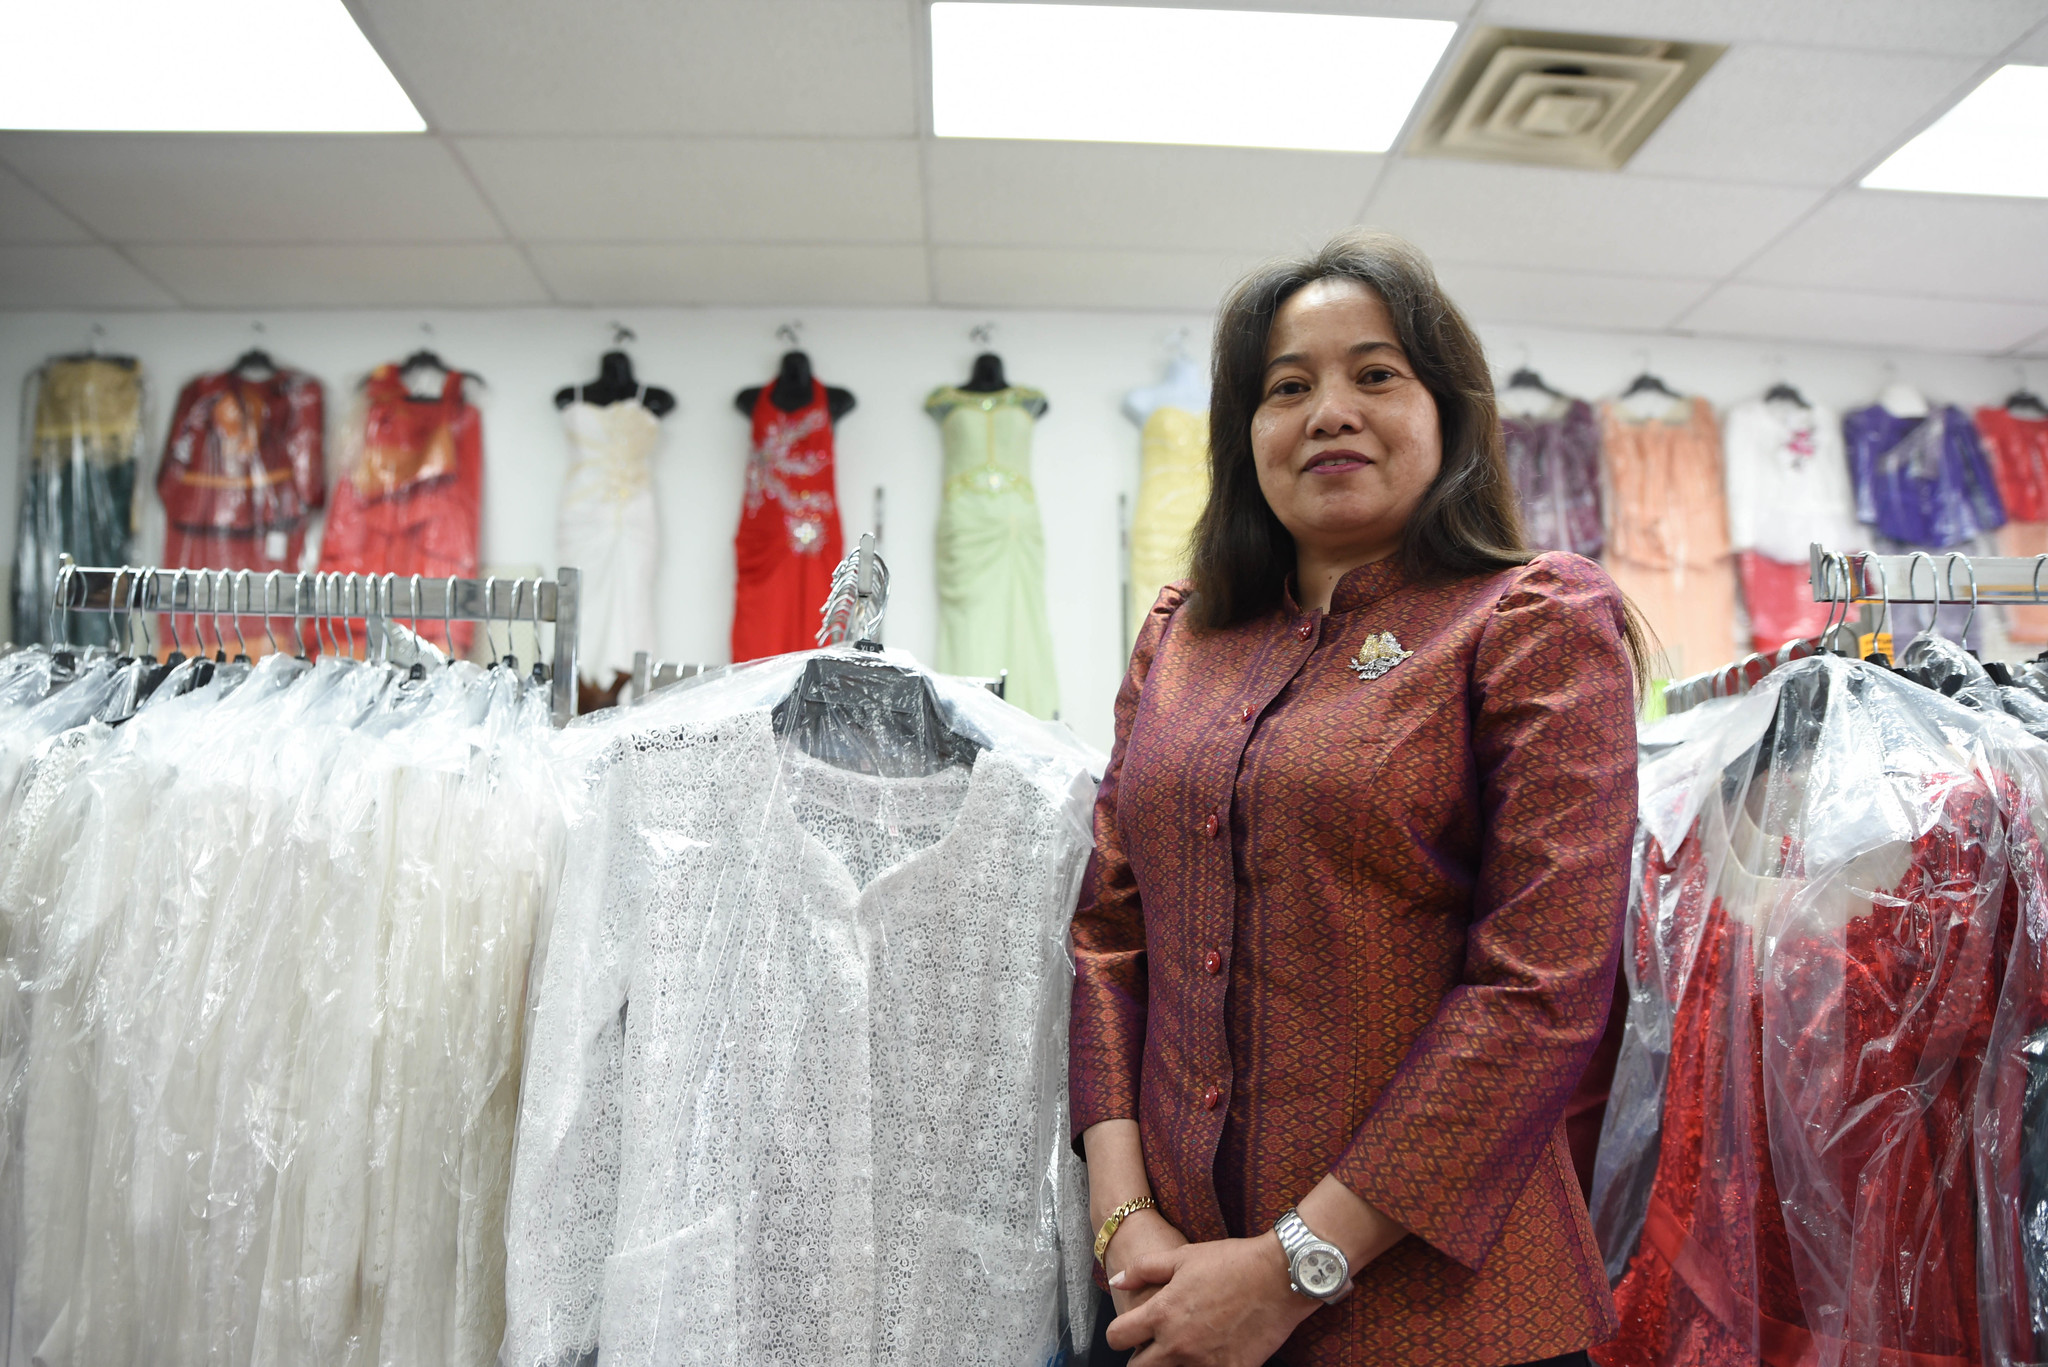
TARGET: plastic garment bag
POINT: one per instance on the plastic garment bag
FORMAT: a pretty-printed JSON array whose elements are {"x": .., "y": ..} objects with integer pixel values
[
  {"x": 268, "y": 946},
  {"x": 1814, "y": 949},
  {"x": 796, "y": 1089},
  {"x": 82, "y": 433},
  {"x": 410, "y": 499}
]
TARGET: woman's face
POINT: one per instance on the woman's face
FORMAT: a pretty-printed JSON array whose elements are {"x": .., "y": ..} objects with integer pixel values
[{"x": 1345, "y": 436}]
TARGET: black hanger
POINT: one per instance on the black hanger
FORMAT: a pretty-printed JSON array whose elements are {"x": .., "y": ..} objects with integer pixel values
[
  {"x": 1526, "y": 378},
  {"x": 1646, "y": 383},
  {"x": 616, "y": 383},
  {"x": 424, "y": 359},
  {"x": 1785, "y": 393},
  {"x": 255, "y": 358},
  {"x": 870, "y": 717},
  {"x": 987, "y": 376},
  {"x": 792, "y": 390},
  {"x": 2025, "y": 398}
]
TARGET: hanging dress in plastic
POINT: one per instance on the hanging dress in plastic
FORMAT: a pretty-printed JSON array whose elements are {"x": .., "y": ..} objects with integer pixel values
[
  {"x": 1173, "y": 488},
  {"x": 1813, "y": 951},
  {"x": 411, "y": 498},
  {"x": 266, "y": 946},
  {"x": 83, "y": 420},
  {"x": 242, "y": 472},
  {"x": 1922, "y": 481},
  {"x": 1555, "y": 461},
  {"x": 796, "y": 1087},
  {"x": 991, "y": 560},
  {"x": 1667, "y": 538},
  {"x": 789, "y": 539},
  {"x": 606, "y": 529},
  {"x": 2018, "y": 448}
]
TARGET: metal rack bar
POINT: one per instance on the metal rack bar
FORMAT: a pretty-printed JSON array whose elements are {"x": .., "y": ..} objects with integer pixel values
[
  {"x": 1730, "y": 680},
  {"x": 1926, "y": 577},
  {"x": 375, "y": 598}
]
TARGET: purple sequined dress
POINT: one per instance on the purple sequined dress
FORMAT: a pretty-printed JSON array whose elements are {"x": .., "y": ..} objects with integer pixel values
[
  {"x": 1555, "y": 462},
  {"x": 1921, "y": 481}
]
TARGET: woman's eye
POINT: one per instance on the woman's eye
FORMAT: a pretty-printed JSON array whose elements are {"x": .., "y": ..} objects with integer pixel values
[
  {"x": 1378, "y": 375},
  {"x": 1289, "y": 387}
]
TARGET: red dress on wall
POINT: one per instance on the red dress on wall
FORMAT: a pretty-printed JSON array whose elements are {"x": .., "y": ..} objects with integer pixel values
[
  {"x": 241, "y": 473},
  {"x": 414, "y": 501},
  {"x": 789, "y": 540}
]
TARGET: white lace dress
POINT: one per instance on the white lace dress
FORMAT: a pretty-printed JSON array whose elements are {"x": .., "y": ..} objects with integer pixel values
[{"x": 797, "y": 1082}]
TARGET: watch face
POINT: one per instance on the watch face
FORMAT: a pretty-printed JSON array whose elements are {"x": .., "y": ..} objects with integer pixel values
[{"x": 1320, "y": 1270}]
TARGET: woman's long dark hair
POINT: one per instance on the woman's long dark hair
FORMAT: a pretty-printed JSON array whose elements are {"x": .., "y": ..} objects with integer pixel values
[{"x": 1467, "y": 522}]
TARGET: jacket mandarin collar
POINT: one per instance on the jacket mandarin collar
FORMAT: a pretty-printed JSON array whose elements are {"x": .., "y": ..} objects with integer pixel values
[{"x": 1359, "y": 588}]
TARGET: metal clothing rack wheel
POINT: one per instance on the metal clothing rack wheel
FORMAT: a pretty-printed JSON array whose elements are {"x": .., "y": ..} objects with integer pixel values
[{"x": 329, "y": 598}]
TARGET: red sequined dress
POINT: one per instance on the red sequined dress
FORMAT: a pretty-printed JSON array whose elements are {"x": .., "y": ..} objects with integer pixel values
[
  {"x": 1813, "y": 1194},
  {"x": 413, "y": 501},
  {"x": 789, "y": 540}
]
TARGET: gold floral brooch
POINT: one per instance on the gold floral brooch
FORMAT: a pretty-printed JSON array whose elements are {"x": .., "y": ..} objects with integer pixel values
[{"x": 1377, "y": 654}]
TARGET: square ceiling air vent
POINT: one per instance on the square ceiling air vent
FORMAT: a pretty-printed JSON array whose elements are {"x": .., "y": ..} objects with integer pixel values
[{"x": 1559, "y": 99}]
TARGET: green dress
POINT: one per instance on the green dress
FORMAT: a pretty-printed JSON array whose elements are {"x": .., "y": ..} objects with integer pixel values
[{"x": 991, "y": 553}]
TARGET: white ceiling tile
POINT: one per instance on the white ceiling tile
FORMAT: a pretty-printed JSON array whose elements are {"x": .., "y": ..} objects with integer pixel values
[
  {"x": 387, "y": 275},
  {"x": 26, "y": 216},
  {"x": 57, "y": 277},
  {"x": 1966, "y": 27},
  {"x": 1800, "y": 115},
  {"x": 831, "y": 68},
  {"x": 696, "y": 190},
  {"x": 2034, "y": 51},
  {"x": 1865, "y": 319},
  {"x": 1084, "y": 194},
  {"x": 1493, "y": 294},
  {"x": 1009, "y": 277},
  {"x": 681, "y": 273},
  {"x": 1975, "y": 246},
  {"x": 238, "y": 188},
  {"x": 1548, "y": 218}
]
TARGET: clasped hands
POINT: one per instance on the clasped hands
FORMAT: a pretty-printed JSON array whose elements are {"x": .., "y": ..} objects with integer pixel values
[{"x": 1221, "y": 1304}]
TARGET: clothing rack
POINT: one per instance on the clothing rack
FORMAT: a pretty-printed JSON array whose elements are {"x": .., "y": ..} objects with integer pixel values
[
  {"x": 650, "y": 675},
  {"x": 1731, "y": 680},
  {"x": 1859, "y": 577},
  {"x": 375, "y": 598}
]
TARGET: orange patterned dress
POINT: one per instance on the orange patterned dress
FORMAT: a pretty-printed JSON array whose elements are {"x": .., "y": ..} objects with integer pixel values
[{"x": 1355, "y": 908}]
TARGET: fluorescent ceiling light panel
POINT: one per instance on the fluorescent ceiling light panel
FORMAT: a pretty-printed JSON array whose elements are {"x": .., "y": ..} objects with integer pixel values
[
  {"x": 195, "y": 66},
  {"x": 1995, "y": 142},
  {"x": 1230, "y": 78}
]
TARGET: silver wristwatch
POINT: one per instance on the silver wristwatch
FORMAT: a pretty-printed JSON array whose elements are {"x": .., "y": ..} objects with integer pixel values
[{"x": 1315, "y": 1267}]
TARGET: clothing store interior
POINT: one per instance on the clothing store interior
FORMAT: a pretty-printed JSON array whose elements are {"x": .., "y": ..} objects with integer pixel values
[{"x": 573, "y": 583}]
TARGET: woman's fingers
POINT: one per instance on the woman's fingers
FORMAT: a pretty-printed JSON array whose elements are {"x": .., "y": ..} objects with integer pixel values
[
  {"x": 1131, "y": 1329},
  {"x": 1147, "y": 1269}
]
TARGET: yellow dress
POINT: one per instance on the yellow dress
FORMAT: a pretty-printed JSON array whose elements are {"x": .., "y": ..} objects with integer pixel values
[
  {"x": 991, "y": 551},
  {"x": 1173, "y": 488}
]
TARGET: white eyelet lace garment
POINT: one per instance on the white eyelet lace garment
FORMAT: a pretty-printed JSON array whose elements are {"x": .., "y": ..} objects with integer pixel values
[{"x": 795, "y": 1090}]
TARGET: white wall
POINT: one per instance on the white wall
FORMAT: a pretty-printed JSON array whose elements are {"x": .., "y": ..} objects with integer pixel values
[{"x": 890, "y": 358}]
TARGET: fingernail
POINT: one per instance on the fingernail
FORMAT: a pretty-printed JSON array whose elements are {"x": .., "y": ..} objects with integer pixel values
[{"x": 1117, "y": 1280}]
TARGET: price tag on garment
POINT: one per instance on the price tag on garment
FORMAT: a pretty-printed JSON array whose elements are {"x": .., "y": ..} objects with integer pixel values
[
  {"x": 1876, "y": 642},
  {"x": 274, "y": 546}
]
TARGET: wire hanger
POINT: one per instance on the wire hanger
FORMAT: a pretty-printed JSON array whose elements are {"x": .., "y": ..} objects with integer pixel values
[
  {"x": 2024, "y": 396},
  {"x": 1648, "y": 383},
  {"x": 1782, "y": 391}
]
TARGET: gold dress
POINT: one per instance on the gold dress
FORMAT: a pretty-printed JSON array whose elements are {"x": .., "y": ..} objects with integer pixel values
[
  {"x": 1173, "y": 488},
  {"x": 991, "y": 551}
]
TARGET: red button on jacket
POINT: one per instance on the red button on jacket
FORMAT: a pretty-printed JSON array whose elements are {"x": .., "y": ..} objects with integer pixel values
[
  {"x": 1211, "y": 1099},
  {"x": 1245, "y": 713},
  {"x": 1214, "y": 963},
  {"x": 1209, "y": 826}
]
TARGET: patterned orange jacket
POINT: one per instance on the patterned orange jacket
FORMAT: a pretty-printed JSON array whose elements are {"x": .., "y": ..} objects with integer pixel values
[{"x": 1354, "y": 908}]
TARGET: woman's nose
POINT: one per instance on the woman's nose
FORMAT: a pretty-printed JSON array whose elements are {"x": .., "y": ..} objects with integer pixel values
[{"x": 1333, "y": 414}]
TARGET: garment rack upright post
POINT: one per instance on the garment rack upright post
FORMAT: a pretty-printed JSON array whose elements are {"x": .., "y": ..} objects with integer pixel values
[{"x": 375, "y": 598}]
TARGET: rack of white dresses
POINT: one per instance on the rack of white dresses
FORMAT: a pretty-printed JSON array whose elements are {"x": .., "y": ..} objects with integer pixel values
[
  {"x": 1856, "y": 580},
  {"x": 375, "y": 598}
]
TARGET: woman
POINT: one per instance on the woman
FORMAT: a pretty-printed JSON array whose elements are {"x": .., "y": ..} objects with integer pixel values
[{"x": 1362, "y": 852}]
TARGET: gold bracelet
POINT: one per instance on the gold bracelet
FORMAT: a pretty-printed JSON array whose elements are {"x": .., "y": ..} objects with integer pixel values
[{"x": 1115, "y": 1220}]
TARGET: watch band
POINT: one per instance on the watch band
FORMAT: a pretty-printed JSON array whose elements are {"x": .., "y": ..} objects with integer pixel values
[
  {"x": 1115, "y": 1221},
  {"x": 1295, "y": 1236}
]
